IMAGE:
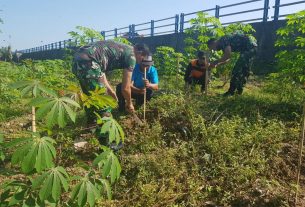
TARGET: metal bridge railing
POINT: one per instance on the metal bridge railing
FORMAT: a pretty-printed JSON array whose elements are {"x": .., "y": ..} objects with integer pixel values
[{"x": 178, "y": 23}]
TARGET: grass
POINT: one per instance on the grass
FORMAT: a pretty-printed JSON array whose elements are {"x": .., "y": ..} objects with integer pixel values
[{"x": 195, "y": 150}]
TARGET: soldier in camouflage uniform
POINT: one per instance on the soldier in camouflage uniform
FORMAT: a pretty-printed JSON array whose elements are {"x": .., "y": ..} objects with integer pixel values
[
  {"x": 246, "y": 46},
  {"x": 92, "y": 61}
]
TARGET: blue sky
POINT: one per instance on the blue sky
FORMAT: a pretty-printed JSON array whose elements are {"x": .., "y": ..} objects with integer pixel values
[{"x": 31, "y": 23}]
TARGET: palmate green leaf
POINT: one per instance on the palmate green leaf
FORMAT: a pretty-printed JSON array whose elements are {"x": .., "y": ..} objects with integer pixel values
[
  {"x": 15, "y": 193},
  {"x": 51, "y": 183},
  {"x": 75, "y": 191},
  {"x": 109, "y": 165},
  {"x": 98, "y": 99},
  {"x": 20, "y": 153},
  {"x": 82, "y": 195},
  {"x": 28, "y": 162},
  {"x": 107, "y": 188},
  {"x": 85, "y": 192},
  {"x": 35, "y": 153},
  {"x": 46, "y": 188},
  {"x": 32, "y": 88},
  {"x": 55, "y": 109},
  {"x": 17, "y": 141},
  {"x": 113, "y": 128}
]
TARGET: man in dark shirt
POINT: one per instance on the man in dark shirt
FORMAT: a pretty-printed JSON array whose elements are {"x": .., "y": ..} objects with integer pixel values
[
  {"x": 243, "y": 44},
  {"x": 92, "y": 61}
]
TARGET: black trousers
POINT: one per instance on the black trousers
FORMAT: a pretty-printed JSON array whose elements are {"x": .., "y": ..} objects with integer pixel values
[
  {"x": 241, "y": 71},
  {"x": 193, "y": 81},
  {"x": 139, "y": 98}
]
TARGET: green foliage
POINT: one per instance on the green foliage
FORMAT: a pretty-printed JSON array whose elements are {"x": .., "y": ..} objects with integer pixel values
[
  {"x": 108, "y": 164},
  {"x": 286, "y": 91},
  {"x": 170, "y": 65},
  {"x": 32, "y": 88},
  {"x": 19, "y": 193},
  {"x": 239, "y": 27},
  {"x": 33, "y": 153},
  {"x": 84, "y": 35},
  {"x": 6, "y": 53},
  {"x": 204, "y": 27},
  {"x": 122, "y": 40},
  {"x": 51, "y": 184},
  {"x": 291, "y": 57},
  {"x": 88, "y": 190},
  {"x": 98, "y": 99},
  {"x": 111, "y": 127},
  {"x": 2, "y": 155},
  {"x": 55, "y": 109},
  {"x": 168, "y": 61},
  {"x": 37, "y": 154}
]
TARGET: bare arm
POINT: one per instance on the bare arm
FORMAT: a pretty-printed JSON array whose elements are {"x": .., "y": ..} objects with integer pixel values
[
  {"x": 126, "y": 89},
  {"x": 153, "y": 86},
  {"x": 224, "y": 59},
  {"x": 137, "y": 90}
]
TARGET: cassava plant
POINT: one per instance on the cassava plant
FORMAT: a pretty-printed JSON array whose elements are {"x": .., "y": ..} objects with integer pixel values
[
  {"x": 291, "y": 57},
  {"x": 33, "y": 89},
  {"x": 204, "y": 27},
  {"x": 170, "y": 64},
  {"x": 84, "y": 36}
]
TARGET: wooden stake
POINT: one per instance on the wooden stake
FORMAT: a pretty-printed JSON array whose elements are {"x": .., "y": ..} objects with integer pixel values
[
  {"x": 206, "y": 81},
  {"x": 144, "y": 95},
  {"x": 33, "y": 119},
  {"x": 300, "y": 156}
]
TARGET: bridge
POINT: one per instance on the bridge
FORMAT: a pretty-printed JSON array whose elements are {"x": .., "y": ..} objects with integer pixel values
[{"x": 170, "y": 31}]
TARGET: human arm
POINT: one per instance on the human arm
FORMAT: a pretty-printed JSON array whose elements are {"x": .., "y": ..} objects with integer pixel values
[
  {"x": 224, "y": 59},
  {"x": 136, "y": 90},
  {"x": 126, "y": 90},
  {"x": 152, "y": 79},
  {"x": 153, "y": 86}
]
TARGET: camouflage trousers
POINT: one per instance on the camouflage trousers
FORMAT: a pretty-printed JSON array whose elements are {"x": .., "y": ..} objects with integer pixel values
[
  {"x": 241, "y": 71},
  {"x": 87, "y": 74}
]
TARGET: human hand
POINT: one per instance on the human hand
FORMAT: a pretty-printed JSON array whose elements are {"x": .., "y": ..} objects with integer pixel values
[
  {"x": 129, "y": 108},
  {"x": 212, "y": 65},
  {"x": 146, "y": 83},
  {"x": 142, "y": 91}
]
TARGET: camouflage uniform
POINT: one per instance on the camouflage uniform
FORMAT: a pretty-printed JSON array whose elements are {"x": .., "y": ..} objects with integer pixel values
[
  {"x": 92, "y": 61},
  {"x": 246, "y": 46}
]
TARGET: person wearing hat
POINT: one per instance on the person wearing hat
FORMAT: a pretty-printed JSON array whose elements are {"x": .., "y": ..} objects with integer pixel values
[
  {"x": 195, "y": 71},
  {"x": 139, "y": 85}
]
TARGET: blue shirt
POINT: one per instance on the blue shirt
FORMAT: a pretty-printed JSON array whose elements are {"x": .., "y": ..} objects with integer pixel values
[{"x": 138, "y": 76}]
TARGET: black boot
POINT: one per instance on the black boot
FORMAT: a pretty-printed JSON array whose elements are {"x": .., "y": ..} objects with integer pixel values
[
  {"x": 228, "y": 93},
  {"x": 239, "y": 91}
]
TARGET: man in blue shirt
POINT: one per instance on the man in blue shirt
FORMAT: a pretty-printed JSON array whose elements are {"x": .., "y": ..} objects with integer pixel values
[{"x": 139, "y": 85}]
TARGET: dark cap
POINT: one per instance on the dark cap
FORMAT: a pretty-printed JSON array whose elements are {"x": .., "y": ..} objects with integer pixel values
[
  {"x": 200, "y": 54},
  {"x": 147, "y": 60}
]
